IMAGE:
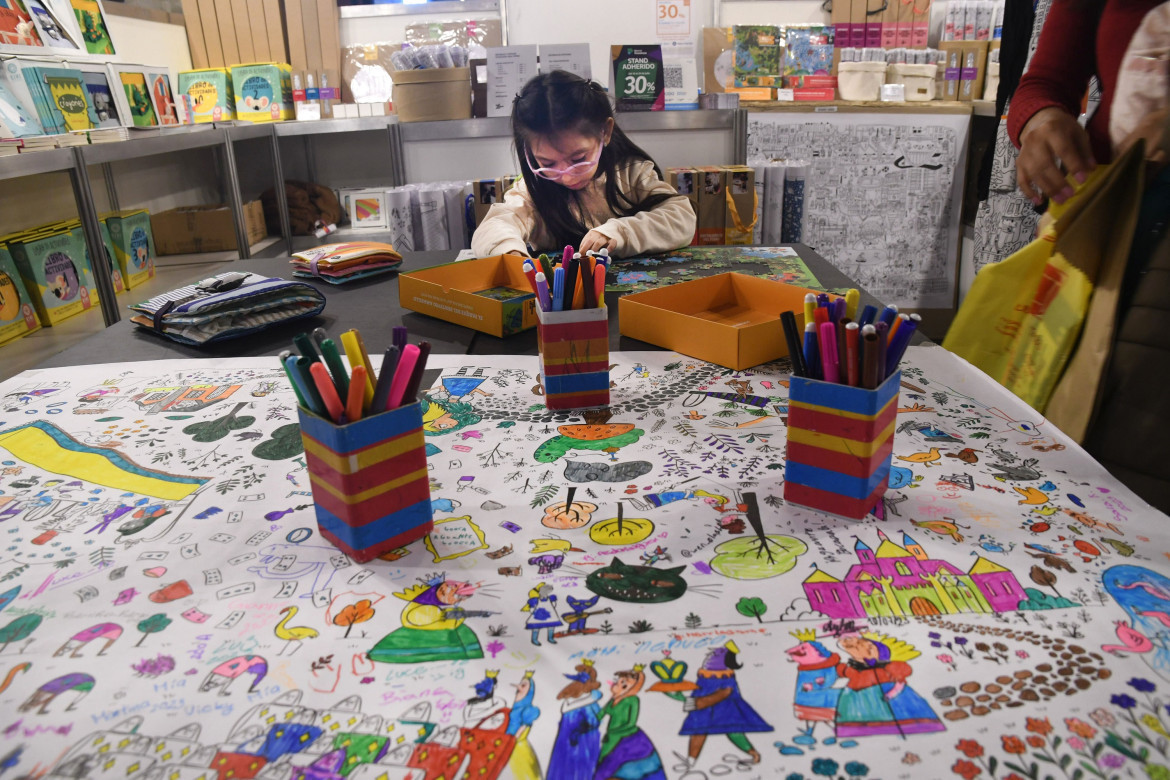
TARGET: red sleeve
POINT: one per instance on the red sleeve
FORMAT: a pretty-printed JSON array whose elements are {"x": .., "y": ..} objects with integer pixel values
[{"x": 1059, "y": 72}]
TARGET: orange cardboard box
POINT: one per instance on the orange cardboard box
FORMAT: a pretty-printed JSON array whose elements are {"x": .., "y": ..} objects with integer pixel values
[
  {"x": 490, "y": 294},
  {"x": 731, "y": 319}
]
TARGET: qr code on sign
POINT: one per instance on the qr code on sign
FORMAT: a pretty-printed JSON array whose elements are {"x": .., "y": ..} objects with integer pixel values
[{"x": 673, "y": 76}]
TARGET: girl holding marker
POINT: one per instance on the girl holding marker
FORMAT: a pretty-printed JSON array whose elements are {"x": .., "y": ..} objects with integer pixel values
[{"x": 585, "y": 184}]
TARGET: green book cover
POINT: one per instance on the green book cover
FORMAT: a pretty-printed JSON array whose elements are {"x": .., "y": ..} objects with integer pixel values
[{"x": 758, "y": 60}]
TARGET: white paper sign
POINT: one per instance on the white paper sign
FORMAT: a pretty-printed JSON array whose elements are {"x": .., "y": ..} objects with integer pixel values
[
  {"x": 573, "y": 57},
  {"x": 672, "y": 19},
  {"x": 508, "y": 69}
]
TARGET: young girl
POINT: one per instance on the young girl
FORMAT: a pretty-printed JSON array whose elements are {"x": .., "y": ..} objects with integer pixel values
[{"x": 585, "y": 183}]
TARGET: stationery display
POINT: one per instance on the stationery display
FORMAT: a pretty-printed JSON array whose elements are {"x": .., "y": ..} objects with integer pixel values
[
  {"x": 572, "y": 328},
  {"x": 226, "y": 306},
  {"x": 346, "y": 262},
  {"x": 363, "y": 437}
]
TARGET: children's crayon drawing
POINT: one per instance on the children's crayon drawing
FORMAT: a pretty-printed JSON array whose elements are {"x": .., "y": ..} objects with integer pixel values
[{"x": 614, "y": 593}]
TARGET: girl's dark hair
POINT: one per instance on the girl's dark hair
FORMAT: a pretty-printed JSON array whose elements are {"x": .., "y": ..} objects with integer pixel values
[{"x": 560, "y": 101}]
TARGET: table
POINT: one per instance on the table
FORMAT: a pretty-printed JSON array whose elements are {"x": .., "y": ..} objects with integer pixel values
[{"x": 607, "y": 587}]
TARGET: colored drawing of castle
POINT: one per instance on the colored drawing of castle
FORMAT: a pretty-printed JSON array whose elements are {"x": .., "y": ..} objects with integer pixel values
[{"x": 904, "y": 580}]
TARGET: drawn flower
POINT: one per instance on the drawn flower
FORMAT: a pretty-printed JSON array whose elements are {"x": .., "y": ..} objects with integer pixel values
[
  {"x": 1013, "y": 776},
  {"x": 960, "y": 640},
  {"x": 1111, "y": 761},
  {"x": 1013, "y": 745},
  {"x": 1076, "y": 743},
  {"x": 970, "y": 748},
  {"x": 856, "y": 769},
  {"x": 934, "y": 635},
  {"x": 795, "y": 776},
  {"x": 1142, "y": 685},
  {"x": 1039, "y": 726},
  {"x": 966, "y": 769},
  {"x": 982, "y": 647},
  {"x": 1082, "y": 729},
  {"x": 1036, "y": 742},
  {"x": 910, "y": 759},
  {"x": 1022, "y": 654},
  {"x": 1123, "y": 700},
  {"x": 1157, "y": 772},
  {"x": 826, "y": 767},
  {"x": 1153, "y": 724},
  {"x": 1103, "y": 718}
]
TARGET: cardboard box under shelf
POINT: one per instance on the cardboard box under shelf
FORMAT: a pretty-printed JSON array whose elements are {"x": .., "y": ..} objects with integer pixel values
[
  {"x": 455, "y": 292},
  {"x": 193, "y": 229},
  {"x": 731, "y": 319}
]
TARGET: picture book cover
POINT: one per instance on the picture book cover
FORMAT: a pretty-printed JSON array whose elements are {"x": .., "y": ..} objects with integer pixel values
[
  {"x": 16, "y": 26},
  {"x": 15, "y": 120},
  {"x": 68, "y": 98},
  {"x": 810, "y": 51},
  {"x": 52, "y": 31},
  {"x": 758, "y": 55},
  {"x": 138, "y": 96},
  {"x": 93, "y": 26},
  {"x": 102, "y": 99},
  {"x": 164, "y": 101}
]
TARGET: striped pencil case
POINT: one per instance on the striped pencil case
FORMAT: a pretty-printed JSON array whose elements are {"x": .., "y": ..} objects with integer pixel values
[{"x": 226, "y": 306}]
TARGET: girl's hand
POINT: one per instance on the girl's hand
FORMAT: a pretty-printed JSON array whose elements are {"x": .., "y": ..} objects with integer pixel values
[
  {"x": 595, "y": 242},
  {"x": 1051, "y": 137}
]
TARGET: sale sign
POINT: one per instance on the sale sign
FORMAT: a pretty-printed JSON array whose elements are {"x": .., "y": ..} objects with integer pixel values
[
  {"x": 672, "y": 19},
  {"x": 638, "y": 78}
]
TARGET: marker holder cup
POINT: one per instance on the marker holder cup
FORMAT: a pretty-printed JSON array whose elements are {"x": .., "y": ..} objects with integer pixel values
[
  {"x": 573, "y": 351},
  {"x": 840, "y": 445},
  {"x": 370, "y": 481}
]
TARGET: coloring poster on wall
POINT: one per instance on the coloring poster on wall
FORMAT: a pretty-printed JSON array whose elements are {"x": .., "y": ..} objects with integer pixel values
[
  {"x": 619, "y": 592},
  {"x": 883, "y": 195}
]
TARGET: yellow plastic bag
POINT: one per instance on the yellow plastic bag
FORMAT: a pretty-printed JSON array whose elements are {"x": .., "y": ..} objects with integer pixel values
[{"x": 1022, "y": 318}]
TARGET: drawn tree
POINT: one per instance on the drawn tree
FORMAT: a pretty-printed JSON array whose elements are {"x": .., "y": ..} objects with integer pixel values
[
  {"x": 764, "y": 546},
  {"x": 1044, "y": 578},
  {"x": 152, "y": 625},
  {"x": 751, "y": 607},
  {"x": 19, "y": 629},
  {"x": 358, "y": 612},
  {"x": 214, "y": 430}
]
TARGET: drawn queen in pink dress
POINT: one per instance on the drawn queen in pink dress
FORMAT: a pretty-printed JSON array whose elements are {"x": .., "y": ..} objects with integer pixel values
[{"x": 76, "y": 643}]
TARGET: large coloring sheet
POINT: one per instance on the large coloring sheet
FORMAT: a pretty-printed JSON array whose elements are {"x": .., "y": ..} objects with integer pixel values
[
  {"x": 883, "y": 196},
  {"x": 621, "y": 593}
]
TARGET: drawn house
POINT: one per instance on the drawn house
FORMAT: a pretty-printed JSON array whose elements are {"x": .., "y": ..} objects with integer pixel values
[{"x": 901, "y": 580}]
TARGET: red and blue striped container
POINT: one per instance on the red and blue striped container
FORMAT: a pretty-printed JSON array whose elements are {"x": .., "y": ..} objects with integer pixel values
[
  {"x": 370, "y": 481},
  {"x": 574, "y": 357},
  {"x": 840, "y": 445}
]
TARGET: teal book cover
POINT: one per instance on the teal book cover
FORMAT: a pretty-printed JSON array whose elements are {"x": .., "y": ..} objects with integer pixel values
[
  {"x": 68, "y": 98},
  {"x": 36, "y": 89}
]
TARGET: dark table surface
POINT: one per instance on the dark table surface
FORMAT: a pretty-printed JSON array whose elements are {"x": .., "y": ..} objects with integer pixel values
[{"x": 370, "y": 306}]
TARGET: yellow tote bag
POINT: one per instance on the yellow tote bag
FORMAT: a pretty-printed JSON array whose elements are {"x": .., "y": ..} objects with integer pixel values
[{"x": 1022, "y": 317}]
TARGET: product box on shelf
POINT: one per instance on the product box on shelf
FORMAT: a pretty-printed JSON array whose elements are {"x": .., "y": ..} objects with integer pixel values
[
  {"x": 116, "y": 278},
  {"x": 263, "y": 92},
  {"x": 133, "y": 245},
  {"x": 686, "y": 182},
  {"x": 432, "y": 94},
  {"x": 965, "y": 70},
  {"x": 491, "y": 294},
  {"x": 731, "y": 319},
  {"x": 739, "y": 219},
  {"x": 17, "y": 316},
  {"x": 54, "y": 266},
  {"x": 712, "y": 212},
  {"x": 193, "y": 229},
  {"x": 485, "y": 192},
  {"x": 213, "y": 98}
]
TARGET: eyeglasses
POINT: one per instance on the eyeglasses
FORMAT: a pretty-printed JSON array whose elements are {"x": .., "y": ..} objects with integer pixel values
[{"x": 576, "y": 169}]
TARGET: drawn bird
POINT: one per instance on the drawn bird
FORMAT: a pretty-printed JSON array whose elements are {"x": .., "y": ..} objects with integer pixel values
[
  {"x": 1054, "y": 561},
  {"x": 7, "y": 681},
  {"x": 297, "y": 634},
  {"x": 967, "y": 455},
  {"x": 1047, "y": 510},
  {"x": 944, "y": 527},
  {"x": 1041, "y": 548},
  {"x": 1031, "y": 496},
  {"x": 925, "y": 458},
  {"x": 1132, "y": 640}
]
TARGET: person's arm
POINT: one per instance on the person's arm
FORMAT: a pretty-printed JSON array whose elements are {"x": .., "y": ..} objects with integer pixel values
[
  {"x": 1042, "y": 116},
  {"x": 669, "y": 225},
  {"x": 507, "y": 226}
]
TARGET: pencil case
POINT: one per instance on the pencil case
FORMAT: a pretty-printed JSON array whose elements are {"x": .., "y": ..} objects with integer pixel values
[{"x": 227, "y": 306}]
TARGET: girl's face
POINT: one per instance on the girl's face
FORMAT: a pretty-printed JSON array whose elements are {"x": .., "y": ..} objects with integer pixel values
[{"x": 570, "y": 157}]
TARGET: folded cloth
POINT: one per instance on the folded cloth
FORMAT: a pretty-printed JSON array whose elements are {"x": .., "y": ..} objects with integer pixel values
[
  {"x": 341, "y": 263},
  {"x": 226, "y": 306}
]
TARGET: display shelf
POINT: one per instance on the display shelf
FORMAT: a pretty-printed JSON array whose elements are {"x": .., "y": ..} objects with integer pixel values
[
  {"x": 434, "y": 7},
  {"x": 33, "y": 163},
  {"x": 327, "y": 126},
  {"x": 859, "y": 107},
  {"x": 243, "y": 131},
  {"x": 171, "y": 141}
]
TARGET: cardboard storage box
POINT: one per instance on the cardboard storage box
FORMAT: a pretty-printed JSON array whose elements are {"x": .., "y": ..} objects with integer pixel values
[
  {"x": 490, "y": 294},
  {"x": 732, "y": 320},
  {"x": 17, "y": 317},
  {"x": 432, "y": 94},
  {"x": 193, "y": 229}
]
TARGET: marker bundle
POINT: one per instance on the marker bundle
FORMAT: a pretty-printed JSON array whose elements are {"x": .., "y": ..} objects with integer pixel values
[
  {"x": 363, "y": 440},
  {"x": 574, "y": 283}
]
